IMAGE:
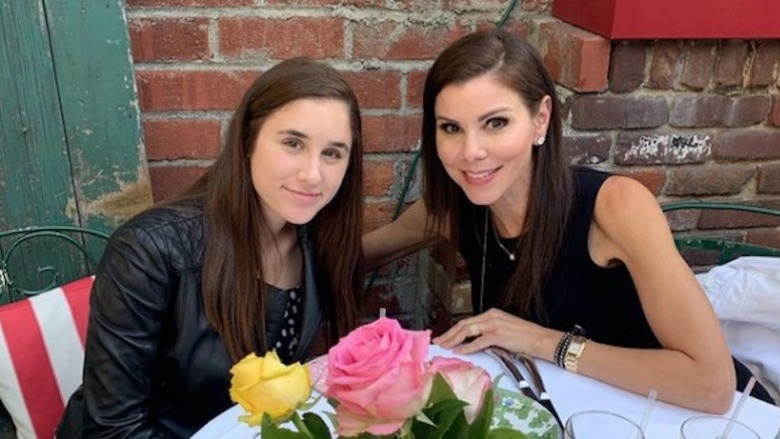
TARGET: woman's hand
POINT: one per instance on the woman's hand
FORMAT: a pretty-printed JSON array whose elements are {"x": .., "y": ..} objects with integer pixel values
[{"x": 498, "y": 328}]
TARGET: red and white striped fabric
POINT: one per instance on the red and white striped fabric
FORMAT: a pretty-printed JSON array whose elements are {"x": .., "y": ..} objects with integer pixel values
[{"x": 41, "y": 356}]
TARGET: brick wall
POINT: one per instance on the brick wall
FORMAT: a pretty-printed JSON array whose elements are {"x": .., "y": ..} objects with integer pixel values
[{"x": 690, "y": 119}]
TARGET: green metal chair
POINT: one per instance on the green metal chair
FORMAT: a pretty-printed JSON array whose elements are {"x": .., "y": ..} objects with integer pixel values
[
  {"x": 37, "y": 259},
  {"x": 727, "y": 250}
]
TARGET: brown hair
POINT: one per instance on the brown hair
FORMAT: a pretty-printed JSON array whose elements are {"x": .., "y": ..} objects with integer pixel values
[
  {"x": 519, "y": 67},
  {"x": 233, "y": 295}
]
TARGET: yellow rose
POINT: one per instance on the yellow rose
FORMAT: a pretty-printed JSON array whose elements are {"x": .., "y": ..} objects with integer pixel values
[{"x": 265, "y": 385}]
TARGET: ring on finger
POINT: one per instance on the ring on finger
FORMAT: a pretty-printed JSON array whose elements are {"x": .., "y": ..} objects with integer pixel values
[{"x": 474, "y": 330}]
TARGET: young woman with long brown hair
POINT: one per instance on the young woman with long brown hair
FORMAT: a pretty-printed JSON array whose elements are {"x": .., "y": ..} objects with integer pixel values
[
  {"x": 262, "y": 253},
  {"x": 570, "y": 265}
]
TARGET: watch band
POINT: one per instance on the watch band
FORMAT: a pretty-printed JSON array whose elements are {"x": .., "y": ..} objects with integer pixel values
[{"x": 574, "y": 351}]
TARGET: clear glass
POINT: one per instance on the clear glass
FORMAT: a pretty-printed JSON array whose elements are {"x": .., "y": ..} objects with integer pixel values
[
  {"x": 712, "y": 427},
  {"x": 600, "y": 425}
]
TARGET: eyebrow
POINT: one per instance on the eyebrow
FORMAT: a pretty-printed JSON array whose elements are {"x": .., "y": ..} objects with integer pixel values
[
  {"x": 296, "y": 133},
  {"x": 481, "y": 118}
]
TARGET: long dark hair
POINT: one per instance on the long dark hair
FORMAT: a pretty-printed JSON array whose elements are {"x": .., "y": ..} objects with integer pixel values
[
  {"x": 233, "y": 295},
  {"x": 519, "y": 67}
]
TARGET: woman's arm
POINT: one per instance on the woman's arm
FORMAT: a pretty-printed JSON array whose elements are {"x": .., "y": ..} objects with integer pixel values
[
  {"x": 410, "y": 232},
  {"x": 693, "y": 369},
  {"x": 127, "y": 302}
]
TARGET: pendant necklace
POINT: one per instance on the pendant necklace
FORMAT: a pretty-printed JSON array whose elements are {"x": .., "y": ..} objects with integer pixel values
[
  {"x": 510, "y": 255},
  {"x": 484, "y": 256}
]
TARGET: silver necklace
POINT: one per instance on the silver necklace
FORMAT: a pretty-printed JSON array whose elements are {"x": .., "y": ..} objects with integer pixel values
[
  {"x": 484, "y": 256},
  {"x": 510, "y": 255}
]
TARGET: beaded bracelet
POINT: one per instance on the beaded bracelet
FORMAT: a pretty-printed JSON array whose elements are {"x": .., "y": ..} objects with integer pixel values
[{"x": 563, "y": 345}]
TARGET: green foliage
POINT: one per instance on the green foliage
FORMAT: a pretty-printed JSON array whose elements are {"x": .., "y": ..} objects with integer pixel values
[{"x": 442, "y": 418}]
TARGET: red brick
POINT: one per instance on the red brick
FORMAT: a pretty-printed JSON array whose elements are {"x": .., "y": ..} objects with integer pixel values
[
  {"x": 192, "y": 90},
  {"x": 326, "y": 2},
  {"x": 447, "y": 5},
  {"x": 765, "y": 237},
  {"x": 376, "y": 88},
  {"x": 653, "y": 148},
  {"x": 611, "y": 112},
  {"x": 188, "y": 3},
  {"x": 181, "y": 139},
  {"x": 729, "y": 219},
  {"x": 653, "y": 180},
  {"x": 731, "y": 64},
  {"x": 480, "y": 5},
  {"x": 683, "y": 220},
  {"x": 251, "y": 38},
  {"x": 587, "y": 149},
  {"x": 699, "y": 64},
  {"x": 575, "y": 58},
  {"x": 747, "y": 110},
  {"x": 415, "y": 84},
  {"x": 747, "y": 145},
  {"x": 774, "y": 116},
  {"x": 768, "y": 179},
  {"x": 377, "y": 214},
  {"x": 721, "y": 180},
  {"x": 763, "y": 71},
  {"x": 520, "y": 28},
  {"x": 665, "y": 66},
  {"x": 699, "y": 110},
  {"x": 537, "y": 5},
  {"x": 390, "y": 40},
  {"x": 171, "y": 181},
  {"x": 627, "y": 66},
  {"x": 707, "y": 110},
  {"x": 391, "y": 133},
  {"x": 378, "y": 178},
  {"x": 170, "y": 39}
]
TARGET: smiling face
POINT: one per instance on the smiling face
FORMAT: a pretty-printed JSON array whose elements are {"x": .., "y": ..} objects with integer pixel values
[
  {"x": 484, "y": 138},
  {"x": 299, "y": 159}
]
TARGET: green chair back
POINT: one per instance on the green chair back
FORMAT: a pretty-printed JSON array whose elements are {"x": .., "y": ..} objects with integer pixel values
[
  {"x": 38, "y": 259},
  {"x": 727, "y": 250}
]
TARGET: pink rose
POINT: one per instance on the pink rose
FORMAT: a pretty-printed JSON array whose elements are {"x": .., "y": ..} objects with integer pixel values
[
  {"x": 468, "y": 382},
  {"x": 378, "y": 375}
]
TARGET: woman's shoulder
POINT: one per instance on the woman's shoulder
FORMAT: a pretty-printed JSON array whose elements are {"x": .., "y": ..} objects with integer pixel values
[
  {"x": 175, "y": 230},
  {"x": 173, "y": 215}
]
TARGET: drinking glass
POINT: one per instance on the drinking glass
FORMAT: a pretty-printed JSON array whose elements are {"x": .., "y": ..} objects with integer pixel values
[
  {"x": 712, "y": 427},
  {"x": 597, "y": 424}
]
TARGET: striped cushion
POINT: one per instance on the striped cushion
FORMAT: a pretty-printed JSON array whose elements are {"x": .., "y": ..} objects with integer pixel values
[{"x": 41, "y": 356}]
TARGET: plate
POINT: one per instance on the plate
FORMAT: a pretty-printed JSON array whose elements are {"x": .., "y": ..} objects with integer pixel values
[{"x": 517, "y": 411}]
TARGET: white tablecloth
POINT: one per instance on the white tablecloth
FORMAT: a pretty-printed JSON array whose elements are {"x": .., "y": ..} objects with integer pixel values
[{"x": 570, "y": 393}]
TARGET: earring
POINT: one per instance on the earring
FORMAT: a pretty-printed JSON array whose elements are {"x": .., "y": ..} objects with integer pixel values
[{"x": 540, "y": 141}]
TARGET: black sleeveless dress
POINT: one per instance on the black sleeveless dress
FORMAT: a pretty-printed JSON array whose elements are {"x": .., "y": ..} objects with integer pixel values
[{"x": 604, "y": 301}]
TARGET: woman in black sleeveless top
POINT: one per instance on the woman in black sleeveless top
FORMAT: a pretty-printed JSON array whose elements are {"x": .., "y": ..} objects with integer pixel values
[{"x": 572, "y": 266}]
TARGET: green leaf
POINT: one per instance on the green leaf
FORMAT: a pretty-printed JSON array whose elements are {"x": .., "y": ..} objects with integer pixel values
[
  {"x": 441, "y": 390},
  {"x": 422, "y": 417},
  {"x": 272, "y": 431},
  {"x": 481, "y": 425},
  {"x": 317, "y": 427},
  {"x": 449, "y": 419},
  {"x": 506, "y": 433}
]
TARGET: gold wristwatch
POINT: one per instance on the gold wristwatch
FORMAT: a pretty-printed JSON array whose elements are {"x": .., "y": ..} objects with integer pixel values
[{"x": 574, "y": 352}]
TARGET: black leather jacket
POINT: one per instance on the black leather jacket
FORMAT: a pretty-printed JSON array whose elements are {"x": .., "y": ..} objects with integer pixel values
[{"x": 154, "y": 366}]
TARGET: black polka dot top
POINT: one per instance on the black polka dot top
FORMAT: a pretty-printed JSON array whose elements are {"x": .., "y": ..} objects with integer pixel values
[{"x": 288, "y": 337}]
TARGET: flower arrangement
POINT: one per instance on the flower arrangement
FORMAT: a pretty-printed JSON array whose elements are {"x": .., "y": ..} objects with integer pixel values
[{"x": 381, "y": 385}]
